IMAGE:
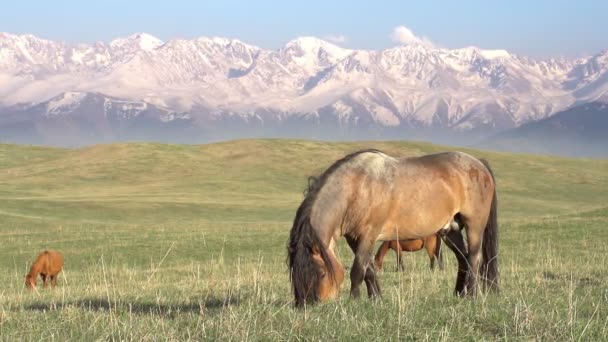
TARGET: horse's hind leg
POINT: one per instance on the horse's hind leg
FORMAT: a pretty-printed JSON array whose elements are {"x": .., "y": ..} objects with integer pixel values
[
  {"x": 54, "y": 281},
  {"x": 362, "y": 269},
  {"x": 455, "y": 242},
  {"x": 474, "y": 238}
]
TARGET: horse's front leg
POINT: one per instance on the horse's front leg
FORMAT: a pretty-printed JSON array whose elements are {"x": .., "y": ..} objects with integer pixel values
[
  {"x": 362, "y": 269},
  {"x": 371, "y": 281},
  {"x": 44, "y": 280}
]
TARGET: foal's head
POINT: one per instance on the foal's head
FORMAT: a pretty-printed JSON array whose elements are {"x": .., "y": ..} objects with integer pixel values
[{"x": 30, "y": 281}]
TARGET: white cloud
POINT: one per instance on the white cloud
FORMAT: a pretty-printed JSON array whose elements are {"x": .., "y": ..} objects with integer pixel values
[
  {"x": 405, "y": 36},
  {"x": 336, "y": 38}
]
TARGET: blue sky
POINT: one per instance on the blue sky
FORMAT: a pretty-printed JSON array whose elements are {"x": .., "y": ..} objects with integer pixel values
[{"x": 538, "y": 28}]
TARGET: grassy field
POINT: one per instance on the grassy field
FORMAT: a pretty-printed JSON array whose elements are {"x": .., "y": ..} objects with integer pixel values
[{"x": 171, "y": 242}]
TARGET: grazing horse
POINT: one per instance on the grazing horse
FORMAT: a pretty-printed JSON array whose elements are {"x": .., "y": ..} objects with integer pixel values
[
  {"x": 369, "y": 196},
  {"x": 48, "y": 264},
  {"x": 431, "y": 243}
]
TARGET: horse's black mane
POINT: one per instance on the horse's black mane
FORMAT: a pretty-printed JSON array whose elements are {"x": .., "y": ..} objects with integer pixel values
[{"x": 302, "y": 239}]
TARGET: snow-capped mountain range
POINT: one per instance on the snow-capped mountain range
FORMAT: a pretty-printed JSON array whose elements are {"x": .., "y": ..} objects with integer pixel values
[{"x": 209, "y": 79}]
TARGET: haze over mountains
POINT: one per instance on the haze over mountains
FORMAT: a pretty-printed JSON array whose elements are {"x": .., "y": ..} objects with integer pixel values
[{"x": 140, "y": 88}]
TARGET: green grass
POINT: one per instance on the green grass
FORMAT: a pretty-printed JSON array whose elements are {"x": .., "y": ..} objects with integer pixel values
[{"x": 172, "y": 242}]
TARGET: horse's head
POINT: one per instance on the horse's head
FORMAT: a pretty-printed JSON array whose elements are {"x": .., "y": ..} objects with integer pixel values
[
  {"x": 315, "y": 272},
  {"x": 30, "y": 281},
  {"x": 316, "y": 275},
  {"x": 328, "y": 280}
]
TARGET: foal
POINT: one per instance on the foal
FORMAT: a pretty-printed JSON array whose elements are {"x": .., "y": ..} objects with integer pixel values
[
  {"x": 431, "y": 243},
  {"x": 48, "y": 264}
]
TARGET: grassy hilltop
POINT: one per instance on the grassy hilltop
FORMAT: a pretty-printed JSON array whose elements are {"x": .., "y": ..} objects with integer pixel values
[{"x": 188, "y": 242}]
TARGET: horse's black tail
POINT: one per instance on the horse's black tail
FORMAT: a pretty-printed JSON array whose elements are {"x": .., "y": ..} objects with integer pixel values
[
  {"x": 489, "y": 264},
  {"x": 304, "y": 273}
]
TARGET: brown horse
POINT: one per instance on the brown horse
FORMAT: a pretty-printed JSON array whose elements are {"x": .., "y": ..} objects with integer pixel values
[
  {"x": 48, "y": 264},
  {"x": 431, "y": 243},
  {"x": 368, "y": 196}
]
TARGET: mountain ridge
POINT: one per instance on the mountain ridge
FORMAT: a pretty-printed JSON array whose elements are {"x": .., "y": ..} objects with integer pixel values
[
  {"x": 308, "y": 86},
  {"x": 416, "y": 83}
]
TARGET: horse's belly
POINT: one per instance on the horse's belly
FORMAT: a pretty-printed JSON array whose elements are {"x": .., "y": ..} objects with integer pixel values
[
  {"x": 403, "y": 235},
  {"x": 409, "y": 231}
]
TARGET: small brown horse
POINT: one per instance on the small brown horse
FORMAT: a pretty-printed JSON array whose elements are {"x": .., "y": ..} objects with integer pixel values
[
  {"x": 369, "y": 196},
  {"x": 48, "y": 264},
  {"x": 431, "y": 243}
]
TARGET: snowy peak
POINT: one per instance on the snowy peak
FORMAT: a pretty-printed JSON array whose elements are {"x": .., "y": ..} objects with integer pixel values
[
  {"x": 224, "y": 42},
  {"x": 473, "y": 52},
  {"x": 27, "y": 49},
  {"x": 311, "y": 46},
  {"x": 494, "y": 54},
  {"x": 311, "y": 54},
  {"x": 137, "y": 41},
  {"x": 64, "y": 103},
  {"x": 6, "y": 39}
]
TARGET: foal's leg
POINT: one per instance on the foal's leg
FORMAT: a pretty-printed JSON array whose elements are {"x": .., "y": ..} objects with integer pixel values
[
  {"x": 455, "y": 242},
  {"x": 396, "y": 244},
  {"x": 379, "y": 259},
  {"x": 430, "y": 245},
  {"x": 439, "y": 254},
  {"x": 362, "y": 269}
]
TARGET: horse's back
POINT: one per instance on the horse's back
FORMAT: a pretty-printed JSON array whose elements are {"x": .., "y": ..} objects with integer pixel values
[
  {"x": 52, "y": 261},
  {"x": 459, "y": 173},
  {"x": 452, "y": 160},
  {"x": 428, "y": 191}
]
